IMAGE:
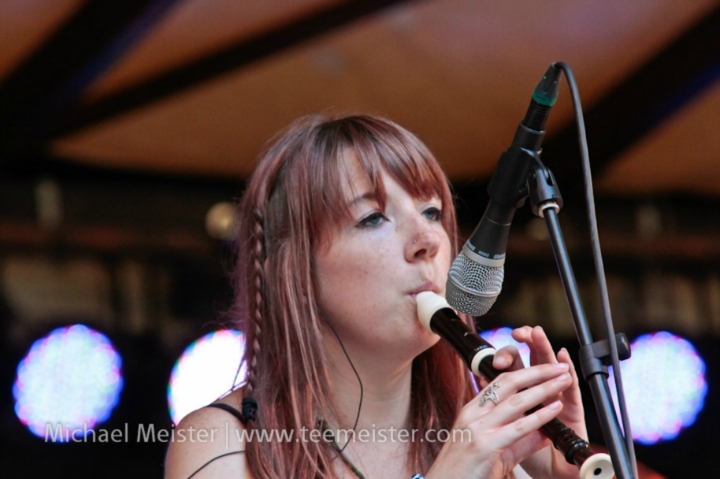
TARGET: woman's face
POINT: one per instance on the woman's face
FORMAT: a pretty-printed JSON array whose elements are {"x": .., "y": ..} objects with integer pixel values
[{"x": 369, "y": 275}]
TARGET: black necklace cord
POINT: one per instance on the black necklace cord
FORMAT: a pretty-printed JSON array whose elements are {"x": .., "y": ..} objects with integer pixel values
[{"x": 357, "y": 375}]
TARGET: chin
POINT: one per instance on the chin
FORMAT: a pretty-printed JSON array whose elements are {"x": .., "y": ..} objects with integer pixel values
[{"x": 427, "y": 338}]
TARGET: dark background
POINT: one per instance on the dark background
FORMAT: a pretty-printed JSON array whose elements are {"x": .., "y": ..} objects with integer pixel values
[{"x": 123, "y": 123}]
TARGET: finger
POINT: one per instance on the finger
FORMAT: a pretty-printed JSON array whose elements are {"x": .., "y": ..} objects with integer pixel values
[
  {"x": 511, "y": 433},
  {"x": 571, "y": 395},
  {"x": 543, "y": 348},
  {"x": 508, "y": 358},
  {"x": 544, "y": 354},
  {"x": 526, "y": 447},
  {"x": 563, "y": 356},
  {"x": 535, "y": 384},
  {"x": 524, "y": 335},
  {"x": 541, "y": 351},
  {"x": 518, "y": 404}
]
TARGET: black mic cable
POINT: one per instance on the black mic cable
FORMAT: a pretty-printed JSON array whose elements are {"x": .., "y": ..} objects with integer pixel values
[
  {"x": 599, "y": 267},
  {"x": 475, "y": 278}
]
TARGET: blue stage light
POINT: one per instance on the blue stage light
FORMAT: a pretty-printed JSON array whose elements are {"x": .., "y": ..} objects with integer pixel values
[
  {"x": 207, "y": 370},
  {"x": 665, "y": 386},
  {"x": 68, "y": 382}
]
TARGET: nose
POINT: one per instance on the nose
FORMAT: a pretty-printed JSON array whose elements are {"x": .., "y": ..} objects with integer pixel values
[{"x": 424, "y": 243}]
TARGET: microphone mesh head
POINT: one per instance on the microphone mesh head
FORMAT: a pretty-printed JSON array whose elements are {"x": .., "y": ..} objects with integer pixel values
[{"x": 472, "y": 288}]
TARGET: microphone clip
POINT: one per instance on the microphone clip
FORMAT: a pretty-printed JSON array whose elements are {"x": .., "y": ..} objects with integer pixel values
[
  {"x": 509, "y": 184},
  {"x": 543, "y": 190}
]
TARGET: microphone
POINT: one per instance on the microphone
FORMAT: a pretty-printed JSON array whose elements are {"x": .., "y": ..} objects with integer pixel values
[
  {"x": 475, "y": 277},
  {"x": 437, "y": 317}
]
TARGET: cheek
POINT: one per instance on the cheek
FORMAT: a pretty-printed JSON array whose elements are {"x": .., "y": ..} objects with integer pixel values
[
  {"x": 349, "y": 280},
  {"x": 445, "y": 256}
]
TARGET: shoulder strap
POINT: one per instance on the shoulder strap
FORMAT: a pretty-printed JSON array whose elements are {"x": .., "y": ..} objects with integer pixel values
[
  {"x": 212, "y": 460},
  {"x": 229, "y": 409},
  {"x": 235, "y": 413}
]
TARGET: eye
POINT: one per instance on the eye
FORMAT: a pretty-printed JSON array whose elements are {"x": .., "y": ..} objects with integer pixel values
[
  {"x": 371, "y": 220},
  {"x": 433, "y": 213}
]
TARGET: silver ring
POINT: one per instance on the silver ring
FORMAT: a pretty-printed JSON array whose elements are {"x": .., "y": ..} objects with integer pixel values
[
  {"x": 490, "y": 394},
  {"x": 414, "y": 241}
]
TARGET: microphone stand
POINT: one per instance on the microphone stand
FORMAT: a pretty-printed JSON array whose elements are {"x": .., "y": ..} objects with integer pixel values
[{"x": 546, "y": 201}]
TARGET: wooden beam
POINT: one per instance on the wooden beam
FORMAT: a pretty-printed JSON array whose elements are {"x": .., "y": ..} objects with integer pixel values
[
  {"x": 102, "y": 239},
  {"x": 662, "y": 86},
  {"x": 40, "y": 92},
  {"x": 232, "y": 58}
]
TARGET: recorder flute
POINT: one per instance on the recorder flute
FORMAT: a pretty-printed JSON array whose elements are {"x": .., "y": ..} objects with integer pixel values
[{"x": 438, "y": 317}]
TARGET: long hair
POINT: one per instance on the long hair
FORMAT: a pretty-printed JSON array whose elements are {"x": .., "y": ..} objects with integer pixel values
[{"x": 292, "y": 204}]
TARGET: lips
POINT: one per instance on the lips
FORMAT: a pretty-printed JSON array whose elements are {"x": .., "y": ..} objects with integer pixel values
[{"x": 427, "y": 286}]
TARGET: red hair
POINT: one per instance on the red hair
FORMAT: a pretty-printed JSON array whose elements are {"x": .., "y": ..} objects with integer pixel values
[{"x": 290, "y": 209}]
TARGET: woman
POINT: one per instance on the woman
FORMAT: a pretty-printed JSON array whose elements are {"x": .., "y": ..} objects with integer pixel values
[{"x": 344, "y": 221}]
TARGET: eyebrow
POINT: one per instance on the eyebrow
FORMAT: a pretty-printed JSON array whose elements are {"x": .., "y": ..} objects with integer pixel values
[{"x": 368, "y": 196}]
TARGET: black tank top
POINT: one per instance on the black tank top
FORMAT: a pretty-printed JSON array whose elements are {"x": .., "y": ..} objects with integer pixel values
[{"x": 229, "y": 409}]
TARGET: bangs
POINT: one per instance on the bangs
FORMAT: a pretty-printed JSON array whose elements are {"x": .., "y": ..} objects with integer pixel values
[
  {"x": 316, "y": 157},
  {"x": 377, "y": 146}
]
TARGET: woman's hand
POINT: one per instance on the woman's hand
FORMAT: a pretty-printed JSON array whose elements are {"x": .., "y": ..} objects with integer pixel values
[
  {"x": 501, "y": 436},
  {"x": 549, "y": 462}
]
